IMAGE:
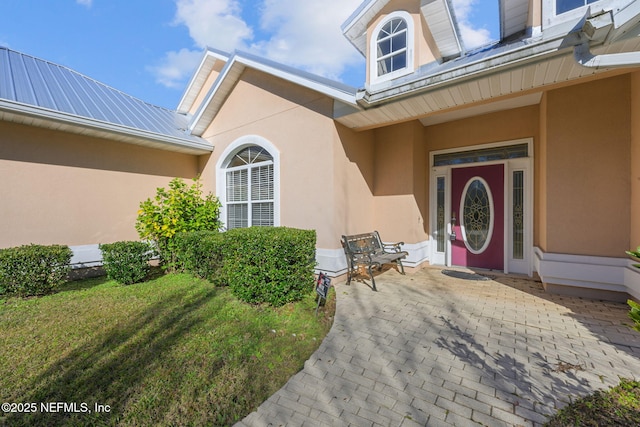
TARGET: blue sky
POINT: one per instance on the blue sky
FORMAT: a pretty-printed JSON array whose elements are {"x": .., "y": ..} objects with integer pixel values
[{"x": 149, "y": 49}]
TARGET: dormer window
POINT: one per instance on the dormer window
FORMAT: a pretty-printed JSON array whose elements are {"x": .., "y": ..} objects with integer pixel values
[{"x": 392, "y": 47}]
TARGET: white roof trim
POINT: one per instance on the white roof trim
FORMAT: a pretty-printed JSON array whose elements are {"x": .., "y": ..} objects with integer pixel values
[
  {"x": 199, "y": 77},
  {"x": 28, "y": 114},
  {"x": 442, "y": 24},
  {"x": 355, "y": 27},
  {"x": 230, "y": 74}
]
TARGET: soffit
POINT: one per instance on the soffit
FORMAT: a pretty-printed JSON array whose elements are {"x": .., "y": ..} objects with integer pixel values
[
  {"x": 30, "y": 116},
  {"x": 514, "y": 15},
  {"x": 441, "y": 23},
  {"x": 440, "y": 96},
  {"x": 355, "y": 27}
]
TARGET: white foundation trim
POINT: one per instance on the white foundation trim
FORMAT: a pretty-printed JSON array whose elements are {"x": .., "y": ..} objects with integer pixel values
[
  {"x": 333, "y": 262},
  {"x": 632, "y": 280},
  {"x": 591, "y": 272}
]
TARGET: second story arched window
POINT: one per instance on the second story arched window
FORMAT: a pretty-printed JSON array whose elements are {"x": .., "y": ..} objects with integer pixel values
[{"x": 392, "y": 47}]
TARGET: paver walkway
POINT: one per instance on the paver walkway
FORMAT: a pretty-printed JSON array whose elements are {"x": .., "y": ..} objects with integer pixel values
[{"x": 428, "y": 349}]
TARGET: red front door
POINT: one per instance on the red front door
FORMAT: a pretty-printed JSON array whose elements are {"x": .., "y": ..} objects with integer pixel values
[{"x": 477, "y": 203}]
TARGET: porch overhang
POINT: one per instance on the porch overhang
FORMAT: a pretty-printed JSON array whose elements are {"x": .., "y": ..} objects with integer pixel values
[{"x": 499, "y": 73}]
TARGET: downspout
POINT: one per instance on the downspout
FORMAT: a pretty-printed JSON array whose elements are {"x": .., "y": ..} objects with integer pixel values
[{"x": 595, "y": 30}]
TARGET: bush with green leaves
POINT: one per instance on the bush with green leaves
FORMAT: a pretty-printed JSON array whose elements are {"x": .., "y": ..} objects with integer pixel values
[
  {"x": 31, "y": 270},
  {"x": 200, "y": 253},
  {"x": 179, "y": 209},
  {"x": 127, "y": 262},
  {"x": 273, "y": 265},
  {"x": 634, "y": 314}
]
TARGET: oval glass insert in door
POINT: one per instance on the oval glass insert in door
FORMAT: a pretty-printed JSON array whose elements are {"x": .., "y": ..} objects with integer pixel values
[{"x": 477, "y": 215}]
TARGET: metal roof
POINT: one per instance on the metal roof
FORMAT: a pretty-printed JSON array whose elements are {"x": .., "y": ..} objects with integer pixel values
[{"x": 46, "y": 94}]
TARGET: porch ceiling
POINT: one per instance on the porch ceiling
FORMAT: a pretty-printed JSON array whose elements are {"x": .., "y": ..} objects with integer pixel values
[{"x": 485, "y": 86}]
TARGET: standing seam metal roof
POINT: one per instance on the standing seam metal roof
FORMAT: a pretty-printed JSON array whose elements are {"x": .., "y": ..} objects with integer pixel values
[{"x": 37, "y": 83}]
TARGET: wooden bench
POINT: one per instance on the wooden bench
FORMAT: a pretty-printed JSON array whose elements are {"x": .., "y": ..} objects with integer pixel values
[{"x": 368, "y": 250}]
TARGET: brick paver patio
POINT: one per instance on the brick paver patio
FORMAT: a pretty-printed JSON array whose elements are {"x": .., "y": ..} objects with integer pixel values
[{"x": 429, "y": 349}]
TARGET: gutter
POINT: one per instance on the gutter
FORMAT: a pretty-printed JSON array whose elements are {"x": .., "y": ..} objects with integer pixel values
[
  {"x": 152, "y": 139},
  {"x": 596, "y": 30},
  {"x": 584, "y": 57}
]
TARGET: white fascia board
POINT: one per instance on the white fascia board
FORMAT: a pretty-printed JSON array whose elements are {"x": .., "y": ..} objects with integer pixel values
[
  {"x": 332, "y": 92},
  {"x": 240, "y": 62},
  {"x": 206, "y": 64},
  {"x": 355, "y": 27},
  {"x": 512, "y": 58},
  {"x": 165, "y": 142}
]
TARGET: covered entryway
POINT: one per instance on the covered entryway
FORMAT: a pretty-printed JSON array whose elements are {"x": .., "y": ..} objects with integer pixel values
[{"x": 481, "y": 207}]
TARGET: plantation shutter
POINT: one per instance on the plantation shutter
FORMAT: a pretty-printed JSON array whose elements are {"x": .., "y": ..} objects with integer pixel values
[{"x": 250, "y": 189}]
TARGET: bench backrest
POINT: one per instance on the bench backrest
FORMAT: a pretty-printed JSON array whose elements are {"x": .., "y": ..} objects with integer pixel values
[{"x": 367, "y": 243}]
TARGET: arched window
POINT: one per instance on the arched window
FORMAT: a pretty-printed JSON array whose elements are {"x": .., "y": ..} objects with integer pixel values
[
  {"x": 248, "y": 189},
  {"x": 392, "y": 47}
]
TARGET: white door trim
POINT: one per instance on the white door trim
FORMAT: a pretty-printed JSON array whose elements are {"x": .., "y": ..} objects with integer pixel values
[{"x": 524, "y": 266}]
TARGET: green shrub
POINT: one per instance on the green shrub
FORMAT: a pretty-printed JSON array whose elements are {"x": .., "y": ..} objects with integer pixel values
[
  {"x": 634, "y": 314},
  {"x": 33, "y": 269},
  {"x": 179, "y": 209},
  {"x": 267, "y": 264},
  {"x": 200, "y": 253},
  {"x": 126, "y": 262}
]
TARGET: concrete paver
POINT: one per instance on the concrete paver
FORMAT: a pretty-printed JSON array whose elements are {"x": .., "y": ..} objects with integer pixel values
[{"x": 432, "y": 350}]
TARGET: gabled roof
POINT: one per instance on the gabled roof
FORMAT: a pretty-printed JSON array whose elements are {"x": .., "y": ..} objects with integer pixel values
[
  {"x": 236, "y": 63},
  {"x": 45, "y": 94},
  {"x": 438, "y": 14}
]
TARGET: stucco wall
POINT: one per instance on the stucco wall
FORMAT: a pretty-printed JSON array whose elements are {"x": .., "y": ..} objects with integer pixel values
[
  {"x": 635, "y": 161},
  {"x": 588, "y": 168},
  {"x": 325, "y": 171},
  {"x": 69, "y": 189},
  {"x": 400, "y": 183},
  {"x": 485, "y": 129}
]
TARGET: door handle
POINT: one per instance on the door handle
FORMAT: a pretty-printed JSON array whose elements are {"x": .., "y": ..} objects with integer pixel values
[{"x": 452, "y": 235}]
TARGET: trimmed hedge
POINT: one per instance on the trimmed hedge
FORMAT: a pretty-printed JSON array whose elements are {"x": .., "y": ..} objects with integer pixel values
[
  {"x": 126, "y": 262},
  {"x": 269, "y": 264},
  {"x": 200, "y": 253},
  {"x": 33, "y": 269}
]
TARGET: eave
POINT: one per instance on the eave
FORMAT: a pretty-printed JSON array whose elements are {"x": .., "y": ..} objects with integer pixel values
[
  {"x": 232, "y": 72},
  {"x": 63, "y": 122},
  {"x": 529, "y": 67}
]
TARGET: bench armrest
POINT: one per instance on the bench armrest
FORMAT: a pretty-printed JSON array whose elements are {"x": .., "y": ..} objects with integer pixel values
[{"x": 394, "y": 246}]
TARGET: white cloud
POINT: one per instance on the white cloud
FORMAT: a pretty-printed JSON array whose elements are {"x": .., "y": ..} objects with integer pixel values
[
  {"x": 308, "y": 35},
  {"x": 472, "y": 36},
  {"x": 294, "y": 32},
  {"x": 87, "y": 3},
  {"x": 215, "y": 23},
  {"x": 175, "y": 67}
]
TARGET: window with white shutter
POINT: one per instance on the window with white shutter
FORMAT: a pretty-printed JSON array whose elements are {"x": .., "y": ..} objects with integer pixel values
[{"x": 250, "y": 188}]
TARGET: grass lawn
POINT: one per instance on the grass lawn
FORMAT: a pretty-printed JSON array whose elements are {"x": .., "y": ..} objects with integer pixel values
[
  {"x": 171, "y": 351},
  {"x": 618, "y": 406}
]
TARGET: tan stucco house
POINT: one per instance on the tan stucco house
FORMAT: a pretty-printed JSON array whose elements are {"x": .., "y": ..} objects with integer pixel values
[{"x": 522, "y": 156}]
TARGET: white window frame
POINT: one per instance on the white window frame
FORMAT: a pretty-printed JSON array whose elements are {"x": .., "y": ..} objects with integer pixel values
[
  {"x": 550, "y": 18},
  {"x": 222, "y": 168},
  {"x": 373, "y": 49}
]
